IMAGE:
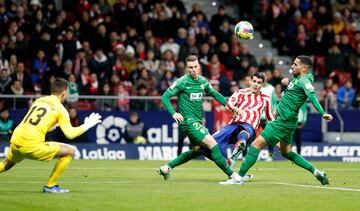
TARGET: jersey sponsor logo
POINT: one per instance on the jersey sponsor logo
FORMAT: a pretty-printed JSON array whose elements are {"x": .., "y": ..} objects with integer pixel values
[
  {"x": 196, "y": 96},
  {"x": 309, "y": 86},
  {"x": 173, "y": 85}
]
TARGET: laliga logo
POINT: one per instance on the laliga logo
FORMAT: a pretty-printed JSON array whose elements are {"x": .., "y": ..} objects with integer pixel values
[{"x": 111, "y": 130}]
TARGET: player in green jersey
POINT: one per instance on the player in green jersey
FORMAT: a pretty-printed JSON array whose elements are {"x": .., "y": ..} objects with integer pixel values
[
  {"x": 190, "y": 89},
  {"x": 282, "y": 128}
]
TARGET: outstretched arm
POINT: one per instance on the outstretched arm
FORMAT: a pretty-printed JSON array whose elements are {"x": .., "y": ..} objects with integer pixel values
[
  {"x": 73, "y": 132},
  {"x": 310, "y": 93}
]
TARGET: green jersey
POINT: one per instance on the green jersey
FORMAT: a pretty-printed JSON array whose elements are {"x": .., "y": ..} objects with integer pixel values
[
  {"x": 190, "y": 93},
  {"x": 298, "y": 90}
]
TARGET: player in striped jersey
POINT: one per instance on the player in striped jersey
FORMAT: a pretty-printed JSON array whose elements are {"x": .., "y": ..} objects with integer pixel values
[{"x": 249, "y": 103}]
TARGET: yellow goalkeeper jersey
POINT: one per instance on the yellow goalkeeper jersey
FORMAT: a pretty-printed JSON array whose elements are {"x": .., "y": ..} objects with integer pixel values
[{"x": 44, "y": 114}]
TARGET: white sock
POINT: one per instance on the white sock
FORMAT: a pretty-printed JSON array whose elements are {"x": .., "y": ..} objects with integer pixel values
[{"x": 317, "y": 172}]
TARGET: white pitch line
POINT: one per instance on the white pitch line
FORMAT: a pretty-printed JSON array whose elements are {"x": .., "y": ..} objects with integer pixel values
[
  {"x": 185, "y": 182},
  {"x": 315, "y": 186},
  {"x": 187, "y": 169}
]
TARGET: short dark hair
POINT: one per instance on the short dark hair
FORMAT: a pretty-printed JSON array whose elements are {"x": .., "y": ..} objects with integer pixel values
[
  {"x": 306, "y": 60},
  {"x": 190, "y": 58},
  {"x": 259, "y": 75},
  {"x": 58, "y": 86}
]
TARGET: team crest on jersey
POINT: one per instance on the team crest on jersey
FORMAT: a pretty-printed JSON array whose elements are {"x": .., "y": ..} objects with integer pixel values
[
  {"x": 249, "y": 108},
  {"x": 291, "y": 85},
  {"x": 202, "y": 86}
]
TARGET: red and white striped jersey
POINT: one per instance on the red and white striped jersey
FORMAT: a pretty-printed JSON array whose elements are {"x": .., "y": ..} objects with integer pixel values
[{"x": 252, "y": 105}]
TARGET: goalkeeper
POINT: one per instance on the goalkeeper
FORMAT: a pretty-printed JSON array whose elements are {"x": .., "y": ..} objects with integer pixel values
[{"x": 28, "y": 139}]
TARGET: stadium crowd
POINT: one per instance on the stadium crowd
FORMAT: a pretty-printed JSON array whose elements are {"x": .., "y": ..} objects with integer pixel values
[{"x": 137, "y": 48}]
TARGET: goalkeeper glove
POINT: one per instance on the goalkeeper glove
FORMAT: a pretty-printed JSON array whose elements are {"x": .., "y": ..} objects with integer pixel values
[{"x": 91, "y": 121}]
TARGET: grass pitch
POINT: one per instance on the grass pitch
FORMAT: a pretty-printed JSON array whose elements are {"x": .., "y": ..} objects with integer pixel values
[{"x": 135, "y": 185}]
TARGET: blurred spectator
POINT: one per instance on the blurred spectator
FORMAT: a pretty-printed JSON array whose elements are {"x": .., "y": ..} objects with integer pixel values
[
  {"x": 38, "y": 67},
  {"x": 79, "y": 62},
  {"x": 218, "y": 19},
  {"x": 142, "y": 104},
  {"x": 5, "y": 80},
  {"x": 172, "y": 46},
  {"x": 72, "y": 91},
  {"x": 151, "y": 63},
  {"x": 17, "y": 90},
  {"x": 335, "y": 60},
  {"x": 191, "y": 47},
  {"x": 129, "y": 61},
  {"x": 167, "y": 80},
  {"x": 135, "y": 130},
  {"x": 345, "y": 95},
  {"x": 168, "y": 60},
  {"x": 267, "y": 62},
  {"x": 6, "y": 126},
  {"x": 100, "y": 65},
  {"x": 93, "y": 86},
  {"x": 106, "y": 104},
  {"x": 13, "y": 63},
  {"x": 224, "y": 33},
  {"x": 331, "y": 97},
  {"x": 122, "y": 101},
  {"x": 22, "y": 76}
]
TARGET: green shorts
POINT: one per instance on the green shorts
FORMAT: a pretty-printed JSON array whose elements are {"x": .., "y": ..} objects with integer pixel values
[
  {"x": 196, "y": 132},
  {"x": 279, "y": 130}
]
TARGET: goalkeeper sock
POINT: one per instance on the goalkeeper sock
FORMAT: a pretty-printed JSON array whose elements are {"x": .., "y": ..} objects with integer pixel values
[
  {"x": 2, "y": 167},
  {"x": 183, "y": 158},
  {"x": 59, "y": 168},
  {"x": 249, "y": 160},
  {"x": 300, "y": 161},
  {"x": 220, "y": 160}
]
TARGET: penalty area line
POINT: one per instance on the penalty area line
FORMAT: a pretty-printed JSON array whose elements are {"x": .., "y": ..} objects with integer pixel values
[{"x": 315, "y": 186}]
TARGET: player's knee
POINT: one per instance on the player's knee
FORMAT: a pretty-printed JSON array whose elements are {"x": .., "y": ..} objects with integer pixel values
[
  {"x": 8, "y": 164},
  {"x": 243, "y": 135},
  {"x": 71, "y": 151},
  {"x": 67, "y": 150}
]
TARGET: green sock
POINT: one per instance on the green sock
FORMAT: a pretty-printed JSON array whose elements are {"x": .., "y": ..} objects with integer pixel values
[
  {"x": 183, "y": 158},
  {"x": 220, "y": 160},
  {"x": 250, "y": 160},
  {"x": 300, "y": 161}
]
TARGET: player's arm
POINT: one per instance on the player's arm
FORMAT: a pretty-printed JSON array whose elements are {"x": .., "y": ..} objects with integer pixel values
[
  {"x": 232, "y": 102},
  {"x": 165, "y": 99},
  {"x": 310, "y": 93},
  {"x": 268, "y": 110},
  {"x": 73, "y": 132},
  {"x": 215, "y": 94}
]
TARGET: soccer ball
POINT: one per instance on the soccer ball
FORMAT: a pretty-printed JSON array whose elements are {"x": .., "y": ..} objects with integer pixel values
[{"x": 244, "y": 30}]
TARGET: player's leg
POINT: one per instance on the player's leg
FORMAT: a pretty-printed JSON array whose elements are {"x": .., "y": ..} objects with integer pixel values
[
  {"x": 180, "y": 143},
  {"x": 252, "y": 155},
  {"x": 183, "y": 157},
  {"x": 285, "y": 149},
  {"x": 5, "y": 165},
  {"x": 210, "y": 143},
  {"x": 297, "y": 139},
  {"x": 249, "y": 160},
  {"x": 65, "y": 154},
  {"x": 239, "y": 146},
  {"x": 14, "y": 156}
]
